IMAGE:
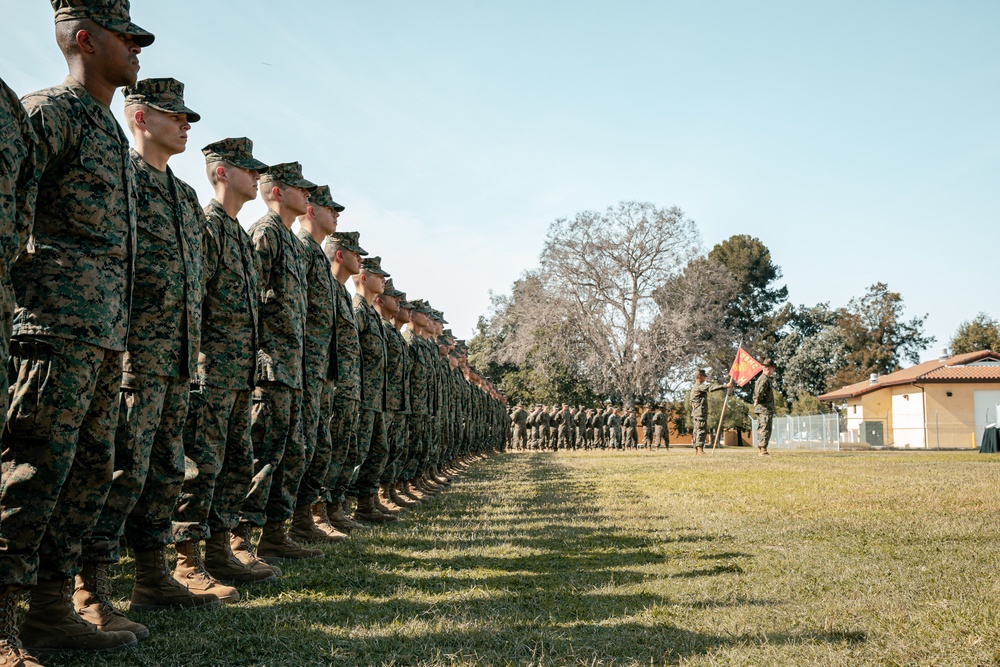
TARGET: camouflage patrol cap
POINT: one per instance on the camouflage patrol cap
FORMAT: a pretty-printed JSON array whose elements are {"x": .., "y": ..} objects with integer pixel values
[
  {"x": 110, "y": 14},
  {"x": 390, "y": 290},
  {"x": 165, "y": 95},
  {"x": 236, "y": 151},
  {"x": 347, "y": 241},
  {"x": 421, "y": 306},
  {"x": 321, "y": 196},
  {"x": 438, "y": 316},
  {"x": 289, "y": 173},
  {"x": 374, "y": 265}
]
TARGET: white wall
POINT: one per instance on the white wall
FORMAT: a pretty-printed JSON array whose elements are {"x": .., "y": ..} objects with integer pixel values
[{"x": 908, "y": 417}]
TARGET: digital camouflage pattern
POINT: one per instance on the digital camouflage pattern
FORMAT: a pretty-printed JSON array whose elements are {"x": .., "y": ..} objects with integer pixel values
[
  {"x": 661, "y": 428},
  {"x": 763, "y": 404},
  {"x": 112, "y": 14},
  {"x": 219, "y": 462},
  {"x": 228, "y": 355},
  {"x": 237, "y": 151},
  {"x": 17, "y": 145},
  {"x": 75, "y": 277},
  {"x": 348, "y": 355},
  {"x": 320, "y": 368},
  {"x": 278, "y": 452},
  {"x": 165, "y": 321},
  {"x": 17, "y": 172},
  {"x": 371, "y": 338},
  {"x": 282, "y": 285},
  {"x": 162, "y": 351},
  {"x": 166, "y": 95},
  {"x": 57, "y": 454},
  {"x": 72, "y": 286},
  {"x": 647, "y": 427},
  {"x": 699, "y": 412},
  {"x": 148, "y": 468},
  {"x": 344, "y": 443}
]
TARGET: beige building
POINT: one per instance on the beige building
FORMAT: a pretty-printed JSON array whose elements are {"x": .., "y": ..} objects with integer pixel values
[{"x": 947, "y": 402}]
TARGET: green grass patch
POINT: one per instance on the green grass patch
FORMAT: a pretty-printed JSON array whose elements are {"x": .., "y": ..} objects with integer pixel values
[{"x": 864, "y": 558}]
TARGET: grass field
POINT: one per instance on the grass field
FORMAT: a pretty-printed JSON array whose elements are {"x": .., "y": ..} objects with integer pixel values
[{"x": 865, "y": 558}]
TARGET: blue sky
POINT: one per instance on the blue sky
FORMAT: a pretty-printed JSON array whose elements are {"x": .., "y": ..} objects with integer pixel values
[{"x": 857, "y": 140}]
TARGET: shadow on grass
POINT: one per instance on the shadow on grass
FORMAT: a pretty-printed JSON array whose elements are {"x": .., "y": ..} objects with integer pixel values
[{"x": 547, "y": 582}]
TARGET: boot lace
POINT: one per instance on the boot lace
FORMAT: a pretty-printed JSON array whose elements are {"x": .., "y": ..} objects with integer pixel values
[{"x": 102, "y": 591}]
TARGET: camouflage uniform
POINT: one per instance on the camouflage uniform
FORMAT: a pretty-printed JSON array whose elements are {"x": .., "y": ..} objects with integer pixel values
[
  {"x": 419, "y": 356},
  {"x": 320, "y": 364},
  {"x": 615, "y": 431},
  {"x": 347, "y": 397},
  {"x": 275, "y": 429},
  {"x": 661, "y": 430},
  {"x": 217, "y": 433},
  {"x": 699, "y": 412},
  {"x": 72, "y": 287},
  {"x": 520, "y": 419},
  {"x": 397, "y": 394},
  {"x": 763, "y": 407},
  {"x": 647, "y": 429},
  {"x": 17, "y": 145},
  {"x": 372, "y": 449},
  {"x": 162, "y": 349},
  {"x": 630, "y": 433}
]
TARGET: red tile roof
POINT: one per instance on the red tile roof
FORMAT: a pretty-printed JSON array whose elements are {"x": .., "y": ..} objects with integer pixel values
[{"x": 953, "y": 369}]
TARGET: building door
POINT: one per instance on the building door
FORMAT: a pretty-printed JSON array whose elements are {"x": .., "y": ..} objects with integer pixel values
[{"x": 986, "y": 411}]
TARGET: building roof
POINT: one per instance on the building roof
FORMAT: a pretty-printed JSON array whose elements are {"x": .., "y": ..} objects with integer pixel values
[{"x": 982, "y": 366}]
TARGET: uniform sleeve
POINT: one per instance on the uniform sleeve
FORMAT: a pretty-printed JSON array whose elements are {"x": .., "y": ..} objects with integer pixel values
[
  {"x": 52, "y": 135},
  {"x": 265, "y": 248},
  {"x": 211, "y": 250}
]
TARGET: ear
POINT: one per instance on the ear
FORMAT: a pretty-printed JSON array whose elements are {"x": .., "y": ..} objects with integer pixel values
[
  {"x": 311, "y": 212},
  {"x": 140, "y": 118},
  {"x": 84, "y": 42},
  {"x": 220, "y": 174},
  {"x": 277, "y": 194}
]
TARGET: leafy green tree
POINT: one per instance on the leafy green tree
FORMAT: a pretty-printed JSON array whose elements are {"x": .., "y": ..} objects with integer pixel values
[
  {"x": 750, "y": 313},
  {"x": 981, "y": 333},
  {"x": 876, "y": 336}
]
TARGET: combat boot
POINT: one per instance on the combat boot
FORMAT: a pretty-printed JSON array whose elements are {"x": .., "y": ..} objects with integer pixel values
[
  {"x": 437, "y": 478},
  {"x": 156, "y": 590},
  {"x": 407, "y": 491},
  {"x": 190, "y": 571},
  {"x": 275, "y": 544},
  {"x": 367, "y": 511},
  {"x": 322, "y": 522},
  {"x": 397, "y": 497},
  {"x": 92, "y": 601},
  {"x": 12, "y": 654},
  {"x": 387, "y": 509},
  {"x": 240, "y": 544},
  {"x": 305, "y": 530},
  {"x": 383, "y": 500},
  {"x": 340, "y": 520},
  {"x": 222, "y": 563},
  {"x": 52, "y": 624},
  {"x": 762, "y": 451}
]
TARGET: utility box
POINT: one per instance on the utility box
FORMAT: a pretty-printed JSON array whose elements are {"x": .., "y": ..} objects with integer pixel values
[{"x": 873, "y": 433}]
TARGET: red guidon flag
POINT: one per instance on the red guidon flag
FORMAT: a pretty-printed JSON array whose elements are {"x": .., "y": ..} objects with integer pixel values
[{"x": 745, "y": 368}]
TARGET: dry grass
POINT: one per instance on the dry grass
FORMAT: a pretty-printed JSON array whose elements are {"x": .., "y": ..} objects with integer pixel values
[{"x": 637, "y": 559}]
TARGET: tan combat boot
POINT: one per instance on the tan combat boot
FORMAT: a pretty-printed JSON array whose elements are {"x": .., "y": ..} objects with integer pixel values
[
  {"x": 155, "y": 589},
  {"x": 222, "y": 563},
  {"x": 305, "y": 530},
  {"x": 243, "y": 551},
  {"x": 275, "y": 544},
  {"x": 322, "y": 521},
  {"x": 12, "y": 654},
  {"x": 408, "y": 492},
  {"x": 52, "y": 624},
  {"x": 341, "y": 520},
  {"x": 398, "y": 498},
  {"x": 383, "y": 500},
  {"x": 385, "y": 509},
  {"x": 92, "y": 600},
  {"x": 367, "y": 511},
  {"x": 190, "y": 571}
]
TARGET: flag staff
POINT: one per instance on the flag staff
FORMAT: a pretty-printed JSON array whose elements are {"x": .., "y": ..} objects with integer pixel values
[{"x": 736, "y": 374}]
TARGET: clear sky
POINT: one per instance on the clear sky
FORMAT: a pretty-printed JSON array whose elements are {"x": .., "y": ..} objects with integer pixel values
[{"x": 857, "y": 139}]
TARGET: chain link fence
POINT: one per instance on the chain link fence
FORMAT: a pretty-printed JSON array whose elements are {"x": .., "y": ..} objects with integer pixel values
[{"x": 818, "y": 432}]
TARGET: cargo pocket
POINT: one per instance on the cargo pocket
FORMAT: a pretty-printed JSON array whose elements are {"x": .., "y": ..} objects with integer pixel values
[{"x": 29, "y": 371}]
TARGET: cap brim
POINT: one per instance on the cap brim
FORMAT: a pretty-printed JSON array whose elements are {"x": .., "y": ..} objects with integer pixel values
[
  {"x": 251, "y": 165},
  {"x": 338, "y": 207},
  {"x": 142, "y": 38},
  {"x": 192, "y": 116}
]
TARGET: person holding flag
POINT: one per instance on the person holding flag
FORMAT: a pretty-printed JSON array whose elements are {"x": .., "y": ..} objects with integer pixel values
[{"x": 699, "y": 409}]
